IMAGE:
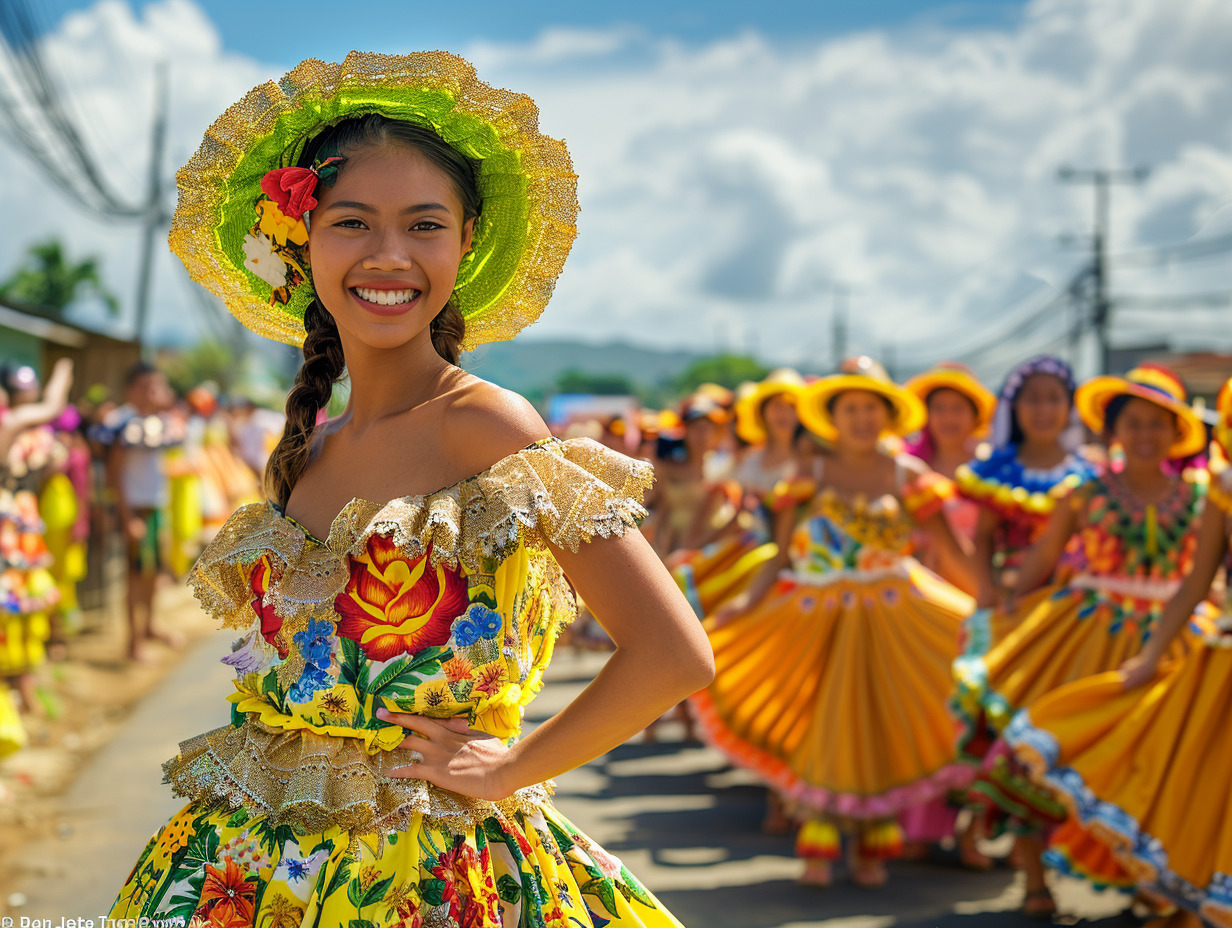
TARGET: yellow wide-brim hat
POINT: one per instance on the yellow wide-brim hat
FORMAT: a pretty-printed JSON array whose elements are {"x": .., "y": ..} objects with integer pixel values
[
  {"x": 1153, "y": 383},
  {"x": 960, "y": 378},
  {"x": 1223, "y": 427},
  {"x": 248, "y": 247},
  {"x": 859, "y": 374},
  {"x": 750, "y": 423}
]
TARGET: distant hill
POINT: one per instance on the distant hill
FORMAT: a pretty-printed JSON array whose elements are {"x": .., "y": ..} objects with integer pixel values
[{"x": 533, "y": 366}]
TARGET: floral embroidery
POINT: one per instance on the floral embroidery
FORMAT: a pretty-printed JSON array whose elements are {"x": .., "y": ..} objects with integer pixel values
[
  {"x": 271, "y": 622},
  {"x": 261, "y": 258},
  {"x": 397, "y": 604},
  {"x": 228, "y": 896},
  {"x": 479, "y": 622}
]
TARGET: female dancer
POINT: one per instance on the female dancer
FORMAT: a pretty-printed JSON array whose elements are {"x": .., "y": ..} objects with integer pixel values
[
  {"x": 766, "y": 420},
  {"x": 28, "y": 591},
  {"x": 1032, "y": 464},
  {"x": 1134, "y": 753},
  {"x": 372, "y": 773},
  {"x": 1129, "y": 538},
  {"x": 960, "y": 410},
  {"x": 832, "y": 669},
  {"x": 690, "y": 510}
]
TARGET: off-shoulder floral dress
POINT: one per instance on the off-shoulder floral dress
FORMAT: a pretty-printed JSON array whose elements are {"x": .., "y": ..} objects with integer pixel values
[{"x": 445, "y": 605}]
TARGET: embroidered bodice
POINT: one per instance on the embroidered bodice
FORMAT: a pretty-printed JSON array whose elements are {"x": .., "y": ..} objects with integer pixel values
[
  {"x": 1024, "y": 497},
  {"x": 1125, "y": 546},
  {"x": 445, "y": 605},
  {"x": 835, "y": 536}
]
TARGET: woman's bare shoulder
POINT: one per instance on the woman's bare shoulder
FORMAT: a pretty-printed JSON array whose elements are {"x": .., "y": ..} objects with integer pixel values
[{"x": 483, "y": 423}]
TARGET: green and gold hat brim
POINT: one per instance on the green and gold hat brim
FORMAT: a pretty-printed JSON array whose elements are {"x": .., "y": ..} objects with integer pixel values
[{"x": 526, "y": 182}]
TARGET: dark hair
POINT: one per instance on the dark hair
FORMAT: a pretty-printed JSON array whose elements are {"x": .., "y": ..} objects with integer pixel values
[
  {"x": 1116, "y": 406},
  {"x": 833, "y": 401},
  {"x": 935, "y": 390},
  {"x": 1017, "y": 436},
  {"x": 324, "y": 363},
  {"x": 136, "y": 372}
]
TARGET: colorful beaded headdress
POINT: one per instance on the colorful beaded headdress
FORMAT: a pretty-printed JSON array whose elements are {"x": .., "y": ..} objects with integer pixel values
[{"x": 239, "y": 226}]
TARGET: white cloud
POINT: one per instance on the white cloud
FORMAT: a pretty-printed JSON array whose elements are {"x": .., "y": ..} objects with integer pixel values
[{"x": 723, "y": 185}]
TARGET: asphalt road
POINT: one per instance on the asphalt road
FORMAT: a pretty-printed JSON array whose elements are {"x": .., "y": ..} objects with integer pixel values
[{"x": 681, "y": 819}]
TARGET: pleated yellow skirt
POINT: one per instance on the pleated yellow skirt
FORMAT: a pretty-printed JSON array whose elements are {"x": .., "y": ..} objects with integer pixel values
[
  {"x": 836, "y": 694},
  {"x": 712, "y": 575},
  {"x": 1147, "y": 773}
]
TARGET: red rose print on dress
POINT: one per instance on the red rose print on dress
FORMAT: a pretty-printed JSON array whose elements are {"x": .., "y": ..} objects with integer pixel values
[
  {"x": 271, "y": 622},
  {"x": 395, "y": 604}
]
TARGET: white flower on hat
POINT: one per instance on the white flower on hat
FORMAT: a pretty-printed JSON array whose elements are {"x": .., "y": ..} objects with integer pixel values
[{"x": 262, "y": 260}]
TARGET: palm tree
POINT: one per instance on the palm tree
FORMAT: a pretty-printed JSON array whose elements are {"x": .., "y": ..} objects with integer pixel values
[{"x": 48, "y": 281}]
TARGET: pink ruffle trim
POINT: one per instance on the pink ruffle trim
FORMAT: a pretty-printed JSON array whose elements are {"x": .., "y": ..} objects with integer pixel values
[{"x": 780, "y": 775}]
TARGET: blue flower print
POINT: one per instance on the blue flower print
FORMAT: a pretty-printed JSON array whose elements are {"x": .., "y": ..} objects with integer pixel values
[
  {"x": 314, "y": 643},
  {"x": 310, "y": 682},
  {"x": 479, "y": 622}
]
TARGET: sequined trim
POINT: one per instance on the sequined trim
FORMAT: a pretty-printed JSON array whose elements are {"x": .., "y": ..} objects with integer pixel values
[
  {"x": 313, "y": 782},
  {"x": 524, "y": 176},
  {"x": 555, "y": 492}
]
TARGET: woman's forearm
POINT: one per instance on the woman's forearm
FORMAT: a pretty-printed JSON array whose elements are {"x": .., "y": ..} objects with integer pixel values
[{"x": 632, "y": 690}]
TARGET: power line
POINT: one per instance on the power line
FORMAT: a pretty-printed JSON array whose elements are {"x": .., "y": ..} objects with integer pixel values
[{"x": 1101, "y": 181}]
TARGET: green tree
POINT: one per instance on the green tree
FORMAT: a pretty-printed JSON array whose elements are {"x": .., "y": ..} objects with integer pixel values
[
  {"x": 576, "y": 381},
  {"x": 48, "y": 280},
  {"x": 206, "y": 360},
  {"x": 728, "y": 370}
]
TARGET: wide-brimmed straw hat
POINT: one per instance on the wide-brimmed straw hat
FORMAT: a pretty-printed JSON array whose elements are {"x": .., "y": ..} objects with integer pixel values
[
  {"x": 860, "y": 373},
  {"x": 960, "y": 378},
  {"x": 750, "y": 403},
  {"x": 239, "y": 227},
  {"x": 1153, "y": 383}
]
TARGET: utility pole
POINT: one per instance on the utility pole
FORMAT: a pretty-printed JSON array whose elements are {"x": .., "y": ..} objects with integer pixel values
[
  {"x": 154, "y": 218},
  {"x": 838, "y": 324},
  {"x": 1101, "y": 180}
]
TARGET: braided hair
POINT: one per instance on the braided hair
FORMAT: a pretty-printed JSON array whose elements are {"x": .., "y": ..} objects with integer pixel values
[{"x": 324, "y": 363}]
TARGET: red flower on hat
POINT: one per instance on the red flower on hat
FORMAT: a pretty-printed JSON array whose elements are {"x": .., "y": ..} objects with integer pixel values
[{"x": 292, "y": 189}]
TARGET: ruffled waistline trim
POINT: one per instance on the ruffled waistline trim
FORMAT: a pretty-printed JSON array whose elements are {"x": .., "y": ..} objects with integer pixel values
[{"x": 314, "y": 782}]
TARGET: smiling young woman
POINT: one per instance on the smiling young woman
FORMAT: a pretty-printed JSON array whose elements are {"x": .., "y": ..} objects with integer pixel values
[{"x": 400, "y": 593}]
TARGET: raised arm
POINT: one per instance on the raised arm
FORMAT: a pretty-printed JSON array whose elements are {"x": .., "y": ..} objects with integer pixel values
[
  {"x": 53, "y": 402},
  {"x": 1212, "y": 546}
]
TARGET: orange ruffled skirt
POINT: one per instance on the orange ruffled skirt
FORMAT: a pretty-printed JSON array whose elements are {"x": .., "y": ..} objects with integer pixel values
[
  {"x": 1062, "y": 634},
  {"x": 1146, "y": 772},
  {"x": 835, "y": 694},
  {"x": 722, "y": 570}
]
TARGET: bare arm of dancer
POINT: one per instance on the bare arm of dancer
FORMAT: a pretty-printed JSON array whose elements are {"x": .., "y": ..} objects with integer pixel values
[
  {"x": 662, "y": 655},
  {"x": 784, "y": 523},
  {"x": 988, "y": 594},
  {"x": 1212, "y": 545},
  {"x": 55, "y": 398},
  {"x": 1041, "y": 559}
]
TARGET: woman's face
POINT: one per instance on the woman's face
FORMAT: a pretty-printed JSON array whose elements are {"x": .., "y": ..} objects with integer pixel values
[
  {"x": 1042, "y": 407},
  {"x": 860, "y": 418},
  {"x": 701, "y": 435},
  {"x": 385, "y": 243},
  {"x": 951, "y": 417},
  {"x": 779, "y": 413},
  {"x": 1145, "y": 430}
]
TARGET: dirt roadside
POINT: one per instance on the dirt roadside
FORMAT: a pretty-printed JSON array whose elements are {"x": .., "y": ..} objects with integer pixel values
[{"x": 90, "y": 693}]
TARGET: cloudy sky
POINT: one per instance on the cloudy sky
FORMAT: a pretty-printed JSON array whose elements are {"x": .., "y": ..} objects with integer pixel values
[{"x": 737, "y": 160}]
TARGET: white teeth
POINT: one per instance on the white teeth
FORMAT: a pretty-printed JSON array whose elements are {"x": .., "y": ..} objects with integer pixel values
[{"x": 386, "y": 297}]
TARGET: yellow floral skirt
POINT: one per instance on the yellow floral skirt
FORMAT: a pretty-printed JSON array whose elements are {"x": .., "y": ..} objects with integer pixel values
[
  {"x": 836, "y": 694},
  {"x": 529, "y": 870},
  {"x": 12, "y": 732},
  {"x": 1146, "y": 773}
]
